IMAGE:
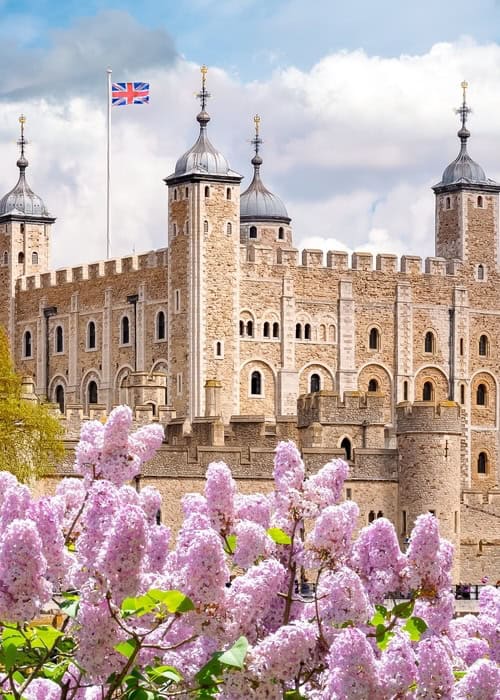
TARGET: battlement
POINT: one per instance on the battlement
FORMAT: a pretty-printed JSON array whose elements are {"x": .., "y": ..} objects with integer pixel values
[
  {"x": 428, "y": 417},
  {"x": 327, "y": 408},
  {"x": 93, "y": 271}
]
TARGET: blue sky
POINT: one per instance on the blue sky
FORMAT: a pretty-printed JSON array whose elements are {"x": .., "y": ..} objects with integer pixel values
[{"x": 356, "y": 100}]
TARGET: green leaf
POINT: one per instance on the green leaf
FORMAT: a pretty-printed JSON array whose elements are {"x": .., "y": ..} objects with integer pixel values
[
  {"x": 293, "y": 695},
  {"x": 12, "y": 636},
  {"x": 383, "y": 636},
  {"x": 279, "y": 536},
  {"x": 10, "y": 656},
  {"x": 230, "y": 544},
  {"x": 174, "y": 601},
  {"x": 415, "y": 628},
  {"x": 44, "y": 636},
  {"x": 403, "y": 610},
  {"x": 70, "y": 604},
  {"x": 235, "y": 656},
  {"x": 382, "y": 610},
  {"x": 140, "y": 694},
  {"x": 377, "y": 619},
  {"x": 459, "y": 674},
  {"x": 137, "y": 606},
  {"x": 164, "y": 674},
  {"x": 126, "y": 648}
]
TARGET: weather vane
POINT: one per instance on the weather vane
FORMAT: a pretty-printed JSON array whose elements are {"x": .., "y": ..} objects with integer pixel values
[
  {"x": 256, "y": 141},
  {"x": 22, "y": 141},
  {"x": 203, "y": 95},
  {"x": 464, "y": 110}
]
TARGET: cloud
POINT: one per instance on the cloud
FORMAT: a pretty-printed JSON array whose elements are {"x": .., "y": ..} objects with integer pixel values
[{"x": 352, "y": 145}]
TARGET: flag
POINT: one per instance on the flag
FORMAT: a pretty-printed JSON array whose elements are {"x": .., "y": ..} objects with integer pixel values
[{"x": 129, "y": 94}]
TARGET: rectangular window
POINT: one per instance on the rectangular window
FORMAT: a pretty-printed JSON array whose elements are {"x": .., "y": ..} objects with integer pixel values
[
  {"x": 179, "y": 384},
  {"x": 348, "y": 494},
  {"x": 177, "y": 300},
  {"x": 432, "y": 512},
  {"x": 456, "y": 522},
  {"x": 404, "y": 525}
]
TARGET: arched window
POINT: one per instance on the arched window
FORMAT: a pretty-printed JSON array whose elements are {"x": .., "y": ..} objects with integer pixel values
[
  {"x": 483, "y": 345},
  {"x": 315, "y": 382},
  {"x": 253, "y": 232},
  {"x": 59, "y": 339},
  {"x": 125, "y": 331},
  {"x": 5, "y": 258},
  {"x": 161, "y": 326},
  {"x": 250, "y": 329},
  {"x": 266, "y": 330},
  {"x": 228, "y": 193},
  {"x": 371, "y": 516},
  {"x": 374, "y": 339},
  {"x": 405, "y": 391},
  {"x": 20, "y": 257},
  {"x": 22, "y": 227},
  {"x": 482, "y": 463},
  {"x": 91, "y": 336},
  {"x": 175, "y": 194},
  {"x": 186, "y": 192},
  {"x": 481, "y": 395},
  {"x": 461, "y": 346},
  {"x": 480, "y": 202},
  {"x": 331, "y": 333},
  {"x": 448, "y": 203},
  {"x": 322, "y": 332},
  {"x": 186, "y": 227},
  {"x": 276, "y": 330},
  {"x": 429, "y": 342},
  {"x": 298, "y": 330},
  {"x": 207, "y": 191},
  {"x": 480, "y": 272},
  {"x": 205, "y": 226},
  {"x": 34, "y": 258},
  {"x": 229, "y": 228},
  {"x": 428, "y": 392},
  {"x": 60, "y": 397},
  {"x": 347, "y": 447},
  {"x": 153, "y": 407},
  {"x": 256, "y": 383},
  {"x": 242, "y": 328},
  {"x": 218, "y": 349},
  {"x": 373, "y": 385},
  {"x": 27, "y": 348},
  {"x": 92, "y": 392},
  {"x": 174, "y": 229},
  {"x": 307, "y": 331},
  {"x": 281, "y": 233},
  {"x": 380, "y": 514},
  {"x": 462, "y": 394}
]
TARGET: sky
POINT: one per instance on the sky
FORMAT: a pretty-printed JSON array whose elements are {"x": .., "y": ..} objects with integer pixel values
[{"x": 356, "y": 102}]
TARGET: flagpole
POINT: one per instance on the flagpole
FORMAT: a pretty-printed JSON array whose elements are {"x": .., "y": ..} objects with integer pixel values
[{"x": 108, "y": 167}]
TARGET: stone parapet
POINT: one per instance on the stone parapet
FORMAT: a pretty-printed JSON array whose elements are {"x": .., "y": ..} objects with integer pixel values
[{"x": 427, "y": 417}]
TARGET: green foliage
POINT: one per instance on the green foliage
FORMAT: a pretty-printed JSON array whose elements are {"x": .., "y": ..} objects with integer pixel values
[
  {"x": 157, "y": 601},
  {"x": 279, "y": 536},
  {"x": 415, "y": 628},
  {"x": 30, "y": 436},
  {"x": 210, "y": 675}
]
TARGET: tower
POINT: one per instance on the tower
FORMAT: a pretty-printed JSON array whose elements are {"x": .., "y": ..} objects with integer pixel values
[
  {"x": 203, "y": 274},
  {"x": 25, "y": 227},
  {"x": 467, "y": 208}
]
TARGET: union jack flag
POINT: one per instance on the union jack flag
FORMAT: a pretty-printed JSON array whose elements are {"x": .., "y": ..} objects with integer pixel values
[{"x": 129, "y": 94}]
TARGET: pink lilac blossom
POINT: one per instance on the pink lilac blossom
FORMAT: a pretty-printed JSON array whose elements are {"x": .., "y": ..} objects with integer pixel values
[
  {"x": 255, "y": 507},
  {"x": 325, "y": 487},
  {"x": 194, "y": 503},
  {"x": 398, "y": 667},
  {"x": 48, "y": 515},
  {"x": 96, "y": 522},
  {"x": 157, "y": 548},
  {"x": 332, "y": 533},
  {"x": 252, "y": 542},
  {"x": 15, "y": 504},
  {"x": 377, "y": 558},
  {"x": 429, "y": 557},
  {"x": 7, "y": 482},
  {"x": 283, "y": 654},
  {"x": 220, "y": 491},
  {"x": 203, "y": 570},
  {"x": 23, "y": 568},
  {"x": 72, "y": 491},
  {"x": 437, "y": 612},
  {"x": 435, "y": 675},
  {"x": 289, "y": 472},
  {"x": 42, "y": 689},
  {"x": 470, "y": 650},
  {"x": 353, "y": 668},
  {"x": 482, "y": 682},
  {"x": 150, "y": 501}
]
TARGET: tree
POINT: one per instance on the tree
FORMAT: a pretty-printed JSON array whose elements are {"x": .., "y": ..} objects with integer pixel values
[{"x": 30, "y": 437}]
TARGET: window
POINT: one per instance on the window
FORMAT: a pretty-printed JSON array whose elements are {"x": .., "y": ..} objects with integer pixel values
[
  {"x": 315, "y": 383},
  {"x": 228, "y": 193},
  {"x": 281, "y": 233},
  {"x": 186, "y": 227},
  {"x": 404, "y": 525},
  {"x": 480, "y": 202},
  {"x": 177, "y": 297},
  {"x": 480, "y": 272},
  {"x": 27, "y": 349},
  {"x": 92, "y": 392},
  {"x": 331, "y": 334},
  {"x": 266, "y": 330},
  {"x": 405, "y": 391},
  {"x": 125, "y": 331},
  {"x": 186, "y": 192},
  {"x": 60, "y": 397},
  {"x": 229, "y": 228},
  {"x": 373, "y": 385},
  {"x": 22, "y": 228},
  {"x": 20, "y": 257},
  {"x": 307, "y": 331},
  {"x": 429, "y": 342},
  {"x": 428, "y": 392},
  {"x": 34, "y": 258},
  {"x": 448, "y": 203},
  {"x": 348, "y": 494},
  {"x": 5, "y": 258},
  {"x": 481, "y": 395},
  {"x": 298, "y": 330},
  {"x": 91, "y": 336},
  {"x": 322, "y": 333},
  {"x": 374, "y": 339},
  {"x": 179, "y": 384},
  {"x": 256, "y": 383},
  {"x": 253, "y": 232},
  {"x": 347, "y": 447},
  {"x": 161, "y": 326},
  {"x": 461, "y": 346},
  {"x": 175, "y": 194},
  {"x": 371, "y": 516},
  {"x": 242, "y": 328},
  {"x": 483, "y": 345},
  {"x": 250, "y": 329},
  {"x": 482, "y": 463},
  {"x": 380, "y": 514},
  {"x": 276, "y": 330},
  {"x": 205, "y": 226},
  {"x": 462, "y": 394},
  {"x": 207, "y": 191},
  {"x": 218, "y": 349},
  {"x": 59, "y": 339},
  {"x": 174, "y": 229},
  {"x": 455, "y": 522}
]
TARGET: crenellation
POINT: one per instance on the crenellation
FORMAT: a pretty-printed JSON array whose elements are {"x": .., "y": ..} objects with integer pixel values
[
  {"x": 435, "y": 266},
  {"x": 337, "y": 260},
  {"x": 312, "y": 258},
  {"x": 386, "y": 262},
  {"x": 411, "y": 264},
  {"x": 287, "y": 256},
  {"x": 362, "y": 261}
]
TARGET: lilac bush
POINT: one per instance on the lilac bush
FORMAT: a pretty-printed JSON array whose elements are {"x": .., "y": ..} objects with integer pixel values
[{"x": 99, "y": 601}]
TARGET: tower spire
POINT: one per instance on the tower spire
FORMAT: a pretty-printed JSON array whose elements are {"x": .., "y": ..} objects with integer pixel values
[
  {"x": 256, "y": 142},
  {"x": 22, "y": 162},
  {"x": 203, "y": 117},
  {"x": 463, "y": 111}
]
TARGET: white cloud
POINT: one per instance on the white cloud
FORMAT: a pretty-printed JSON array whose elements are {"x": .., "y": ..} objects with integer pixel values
[{"x": 352, "y": 147}]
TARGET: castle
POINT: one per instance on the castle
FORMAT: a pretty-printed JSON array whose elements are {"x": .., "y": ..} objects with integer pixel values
[{"x": 233, "y": 340}]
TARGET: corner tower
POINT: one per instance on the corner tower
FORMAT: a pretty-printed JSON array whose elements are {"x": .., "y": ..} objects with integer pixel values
[
  {"x": 25, "y": 225},
  {"x": 203, "y": 274},
  {"x": 467, "y": 208}
]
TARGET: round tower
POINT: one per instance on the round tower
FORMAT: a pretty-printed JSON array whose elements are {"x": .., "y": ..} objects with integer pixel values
[{"x": 429, "y": 446}]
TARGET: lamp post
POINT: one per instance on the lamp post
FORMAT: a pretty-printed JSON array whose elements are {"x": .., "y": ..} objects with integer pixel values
[
  {"x": 133, "y": 299},
  {"x": 48, "y": 312}
]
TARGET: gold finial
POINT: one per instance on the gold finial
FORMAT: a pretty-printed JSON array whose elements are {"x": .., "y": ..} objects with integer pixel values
[
  {"x": 464, "y": 85},
  {"x": 203, "y": 95},
  {"x": 203, "y": 71},
  {"x": 22, "y": 119},
  {"x": 256, "y": 120}
]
